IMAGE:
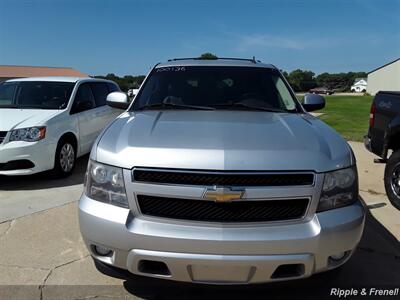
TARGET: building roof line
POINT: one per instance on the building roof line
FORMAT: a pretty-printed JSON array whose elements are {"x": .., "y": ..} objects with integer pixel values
[
  {"x": 26, "y": 66},
  {"x": 389, "y": 63},
  {"x": 10, "y": 71}
]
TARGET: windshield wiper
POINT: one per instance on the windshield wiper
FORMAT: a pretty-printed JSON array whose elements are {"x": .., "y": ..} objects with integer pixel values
[
  {"x": 9, "y": 106},
  {"x": 251, "y": 107},
  {"x": 174, "y": 105},
  {"x": 31, "y": 107},
  {"x": 25, "y": 106}
]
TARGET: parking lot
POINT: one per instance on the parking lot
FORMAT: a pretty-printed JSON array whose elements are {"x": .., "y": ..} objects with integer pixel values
[{"x": 43, "y": 256}]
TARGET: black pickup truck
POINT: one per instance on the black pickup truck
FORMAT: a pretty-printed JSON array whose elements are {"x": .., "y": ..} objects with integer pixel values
[{"x": 384, "y": 138}]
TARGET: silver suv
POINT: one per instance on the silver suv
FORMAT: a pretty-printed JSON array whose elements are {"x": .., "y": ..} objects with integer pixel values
[{"x": 217, "y": 174}]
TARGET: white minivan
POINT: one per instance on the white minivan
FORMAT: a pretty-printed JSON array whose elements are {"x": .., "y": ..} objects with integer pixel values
[{"x": 47, "y": 122}]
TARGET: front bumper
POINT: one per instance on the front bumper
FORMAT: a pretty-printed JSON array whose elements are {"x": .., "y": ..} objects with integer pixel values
[
  {"x": 220, "y": 254},
  {"x": 40, "y": 154},
  {"x": 367, "y": 143}
]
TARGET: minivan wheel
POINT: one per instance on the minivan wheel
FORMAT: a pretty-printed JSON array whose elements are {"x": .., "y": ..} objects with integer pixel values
[
  {"x": 392, "y": 179},
  {"x": 65, "y": 158}
]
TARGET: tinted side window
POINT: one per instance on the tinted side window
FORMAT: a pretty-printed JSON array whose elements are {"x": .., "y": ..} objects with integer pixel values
[
  {"x": 113, "y": 87},
  {"x": 100, "y": 92},
  {"x": 84, "y": 99}
]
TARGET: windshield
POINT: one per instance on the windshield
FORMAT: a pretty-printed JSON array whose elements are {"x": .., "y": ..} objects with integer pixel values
[
  {"x": 214, "y": 87},
  {"x": 35, "y": 94}
]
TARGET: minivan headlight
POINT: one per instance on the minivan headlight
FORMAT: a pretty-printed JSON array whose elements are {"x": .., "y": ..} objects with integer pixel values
[
  {"x": 340, "y": 189},
  {"x": 106, "y": 184},
  {"x": 31, "y": 134}
]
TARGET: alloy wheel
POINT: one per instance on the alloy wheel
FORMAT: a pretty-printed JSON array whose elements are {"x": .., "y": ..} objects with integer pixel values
[
  {"x": 395, "y": 180},
  {"x": 67, "y": 157}
]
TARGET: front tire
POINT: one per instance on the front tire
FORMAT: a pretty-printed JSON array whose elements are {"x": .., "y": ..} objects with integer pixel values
[
  {"x": 65, "y": 158},
  {"x": 392, "y": 179}
]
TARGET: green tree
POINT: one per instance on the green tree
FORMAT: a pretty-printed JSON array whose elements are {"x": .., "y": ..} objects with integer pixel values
[
  {"x": 208, "y": 55},
  {"x": 340, "y": 82},
  {"x": 301, "y": 81},
  {"x": 125, "y": 83}
]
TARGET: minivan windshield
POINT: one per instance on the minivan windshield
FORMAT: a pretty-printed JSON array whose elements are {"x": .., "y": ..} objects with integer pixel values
[
  {"x": 35, "y": 94},
  {"x": 215, "y": 88}
]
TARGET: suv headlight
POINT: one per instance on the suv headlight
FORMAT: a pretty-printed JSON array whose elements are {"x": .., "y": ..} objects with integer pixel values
[
  {"x": 106, "y": 184},
  {"x": 31, "y": 134},
  {"x": 340, "y": 189}
]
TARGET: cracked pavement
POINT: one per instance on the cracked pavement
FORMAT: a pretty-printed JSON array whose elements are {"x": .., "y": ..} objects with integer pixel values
[
  {"x": 46, "y": 249},
  {"x": 43, "y": 255}
]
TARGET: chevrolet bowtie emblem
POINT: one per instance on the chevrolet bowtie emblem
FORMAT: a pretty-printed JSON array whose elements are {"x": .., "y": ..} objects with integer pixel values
[{"x": 223, "y": 194}]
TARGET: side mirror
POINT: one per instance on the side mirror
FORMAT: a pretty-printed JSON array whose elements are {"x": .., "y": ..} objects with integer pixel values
[
  {"x": 313, "y": 102},
  {"x": 118, "y": 100}
]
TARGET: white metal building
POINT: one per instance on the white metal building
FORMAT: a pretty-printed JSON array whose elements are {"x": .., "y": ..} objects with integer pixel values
[{"x": 384, "y": 78}]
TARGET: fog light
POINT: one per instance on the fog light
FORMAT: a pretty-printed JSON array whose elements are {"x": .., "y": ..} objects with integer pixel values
[
  {"x": 103, "y": 251},
  {"x": 338, "y": 256}
]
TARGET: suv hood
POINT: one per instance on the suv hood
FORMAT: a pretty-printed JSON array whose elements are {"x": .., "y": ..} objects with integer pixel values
[
  {"x": 222, "y": 140},
  {"x": 13, "y": 118}
]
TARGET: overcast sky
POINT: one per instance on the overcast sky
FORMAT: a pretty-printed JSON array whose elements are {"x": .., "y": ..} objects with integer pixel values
[{"x": 129, "y": 37}]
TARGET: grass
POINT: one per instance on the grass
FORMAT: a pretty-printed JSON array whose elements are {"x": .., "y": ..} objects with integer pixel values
[{"x": 349, "y": 115}]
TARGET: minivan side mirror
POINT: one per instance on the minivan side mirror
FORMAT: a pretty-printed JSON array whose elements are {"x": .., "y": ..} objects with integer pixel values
[
  {"x": 313, "y": 102},
  {"x": 117, "y": 100}
]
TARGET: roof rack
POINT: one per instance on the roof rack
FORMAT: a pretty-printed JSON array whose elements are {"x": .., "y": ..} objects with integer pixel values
[
  {"x": 185, "y": 58},
  {"x": 253, "y": 60}
]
